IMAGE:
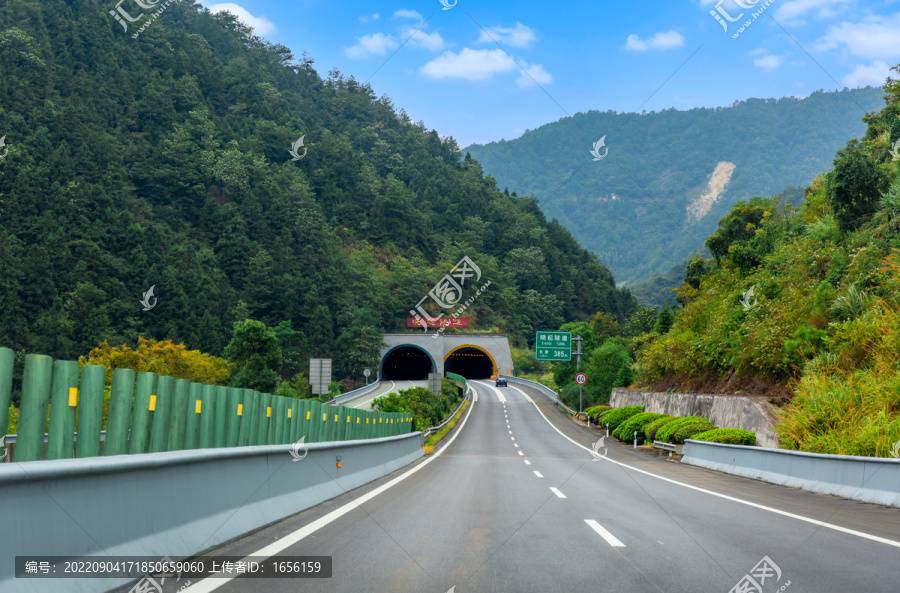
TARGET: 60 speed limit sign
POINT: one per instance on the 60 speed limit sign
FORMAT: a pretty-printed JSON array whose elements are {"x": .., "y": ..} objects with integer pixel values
[{"x": 580, "y": 378}]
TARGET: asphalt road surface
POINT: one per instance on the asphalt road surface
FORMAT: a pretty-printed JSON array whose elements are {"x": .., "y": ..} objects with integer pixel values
[
  {"x": 365, "y": 402},
  {"x": 513, "y": 502}
]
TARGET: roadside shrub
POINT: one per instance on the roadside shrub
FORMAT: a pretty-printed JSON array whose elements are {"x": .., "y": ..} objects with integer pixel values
[
  {"x": 618, "y": 416},
  {"x": 689, "y": 430},
  {"x": 666, "y": 432},
  {"x": 732, "y": 436},
  {"x": 651, "y": 428},
  {"x": 626, "y": 430},
  {"x": 595, "y": 411}
]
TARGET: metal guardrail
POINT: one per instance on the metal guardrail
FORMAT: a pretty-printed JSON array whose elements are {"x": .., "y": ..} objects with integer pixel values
[
  {"x": 430, "y": 431},
  {"x": 345, "y": 397},
  {"x": 543, "y": 389}
]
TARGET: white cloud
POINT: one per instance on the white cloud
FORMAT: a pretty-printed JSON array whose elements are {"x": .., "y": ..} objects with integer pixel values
[
  {"x": 768, "y": 62},
  {"x": 260, "y": 25},
  {"x": 483, "y": 64},
  {"x": 666, "y": 40},
  {"x": 369, "y": 45},
  {"x": 875, "y": 38},
  {"x": 469, "y": 64},
  {"x": 794, "y": 11},
  {"x": 519, "y": 36},
  {"x": 873, "y": 74},
  {"x": 374, "y": 17},
  {"x": 408, "y": 14},
  {"x": 419, "y": 38}
]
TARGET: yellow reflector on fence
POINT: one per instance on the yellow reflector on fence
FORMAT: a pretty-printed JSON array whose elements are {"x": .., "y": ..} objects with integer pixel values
[
  {"x": 307, "y": 414},
  {"x": 198, "y": 405},
  {"x": 240, "y": 409},
  {"x": 152, "y": 407},
  {"x": 73, "y": 397},
  {"x": 335, "y": 417},
  {"x": 289, "y": 412},
  {"x": 357, "y": 419},
  {"x": 324, "y": 416},
  {"x": 348, "y": 419},
  {"x": 269, "y": 412},
  {"x": 367, "y": 420}
]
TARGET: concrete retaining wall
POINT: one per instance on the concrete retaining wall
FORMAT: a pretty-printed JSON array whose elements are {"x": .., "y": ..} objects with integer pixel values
[
  {"x": 867, "y": 479},
  {"x": 173, "y": 504},
  {"x": 725, "y": 411}
]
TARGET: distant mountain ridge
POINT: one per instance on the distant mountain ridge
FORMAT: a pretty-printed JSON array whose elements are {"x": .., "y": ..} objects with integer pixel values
[{"x": 670, "y": 176}]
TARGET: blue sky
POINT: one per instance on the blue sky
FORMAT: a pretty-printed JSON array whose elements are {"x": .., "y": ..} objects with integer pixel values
[{"x": 485, "y": 71}]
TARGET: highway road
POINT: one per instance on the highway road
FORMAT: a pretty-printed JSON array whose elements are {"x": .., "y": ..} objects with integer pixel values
[
  {"x": 513, "y": 502},
  {"x": 365, "y": 402}
]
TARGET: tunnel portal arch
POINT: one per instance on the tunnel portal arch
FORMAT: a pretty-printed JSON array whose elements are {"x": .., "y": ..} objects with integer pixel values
[{"x": 407, "y": 362}]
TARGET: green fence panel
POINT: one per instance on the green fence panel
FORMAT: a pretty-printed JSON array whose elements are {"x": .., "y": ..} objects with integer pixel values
[
  {"x": 278, "y": 414},
  {"x": 235, "y": 405},
  {"x": 194, "y": 414},
  {"x": 33, "y": 408},
  {"x": 175, "y": 440},
  {"x": 161, "y": 414},
  {"x": 320, "y": 418},
  {"x": 63, "y": 399},
  {"x": 245, "y": 403},
  {"x": 121, "y": 399},
  {"x": 208, "y": 417},
  {"x": 140, "y": 414},
  {"x": 311, "y": 419},
  {"x": 222, "y": 417},
  {"x": 265, "y": 419},
  {"x": 287, "y": 420},
  {"x": 7, "y": 359},
  {"x": 253, "y": 419},
  {"x": 292, "y": 421},
  {"x": 90, "y": 410}
]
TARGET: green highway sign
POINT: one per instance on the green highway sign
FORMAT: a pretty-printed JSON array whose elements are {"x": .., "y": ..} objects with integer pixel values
[{"x": 555, "y": 346}]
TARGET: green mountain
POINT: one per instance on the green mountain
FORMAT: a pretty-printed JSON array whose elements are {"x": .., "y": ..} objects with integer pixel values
[
  {"x": 802, "y": 304},
  {"x": 669, "y": 177},
  {"x": 163, "y": 160}
]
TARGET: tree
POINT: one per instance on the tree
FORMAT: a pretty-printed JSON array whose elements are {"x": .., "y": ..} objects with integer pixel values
[
  {"x": 163, "y": 358},
  {"x": 640, "y": 322},
  {"x": 664, "y": 321},
  {"x": 255, "y": 353},
  {"x": 855, "y": 188},
  {"x": 604, "y": 327},
  {"x": 358, "y": 347},
  {"x": 603, "y": 368}
]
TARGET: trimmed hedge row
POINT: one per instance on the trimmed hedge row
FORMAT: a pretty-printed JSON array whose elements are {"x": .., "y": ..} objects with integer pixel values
[
  {"x": 617, "y": 416},
  {"x": 731, "y": 436},
  {"x": 650, "y": 426},
  {"x": 595, "y": 411},
  {"x": 668, "y": 432},
  {"x": 636, "y": 423}
]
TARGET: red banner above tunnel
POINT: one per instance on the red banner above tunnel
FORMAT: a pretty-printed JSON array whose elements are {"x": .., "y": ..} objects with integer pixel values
[{"x": 447, "y": 322}]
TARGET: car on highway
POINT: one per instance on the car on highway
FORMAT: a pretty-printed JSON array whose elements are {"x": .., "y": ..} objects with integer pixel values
[{"x": 501, "y": 382}]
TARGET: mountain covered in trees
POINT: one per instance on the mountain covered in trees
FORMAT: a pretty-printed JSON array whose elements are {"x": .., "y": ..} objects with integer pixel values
[
  {"x": 669, "y": 177},
  {"x": 163, "y": 161}
]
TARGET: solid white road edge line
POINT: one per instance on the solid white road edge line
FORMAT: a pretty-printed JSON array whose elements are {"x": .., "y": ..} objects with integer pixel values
[
  {"x": 373, "y": 397},
  {"x": 273, "y": 549},
  {"x": 610, "y": 538},
  {"x": 861, "y": 534}
]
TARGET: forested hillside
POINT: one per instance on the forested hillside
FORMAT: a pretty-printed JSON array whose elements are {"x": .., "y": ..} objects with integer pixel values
[
  {"x": 803, "y": 298},
  {"x": 648, "y": 203},
  {"x": 164, "y": 161}
]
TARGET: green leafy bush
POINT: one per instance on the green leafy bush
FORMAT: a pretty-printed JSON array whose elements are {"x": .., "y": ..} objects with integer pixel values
[
  {"x": 626, "y": 430},
  {"x": 595, "y": 411},
  {"x": 689, "y": 430},
  {"x": 732, "y": 436},
  {"x": 651, "y": 428},
  {"x": 668, "y": 431},
  {"x": 618, "y": 416}
]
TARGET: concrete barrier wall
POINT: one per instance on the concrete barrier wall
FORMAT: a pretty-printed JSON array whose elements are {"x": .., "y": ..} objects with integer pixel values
[
  {"x": 174, "y": 504},
  {"x": 725, "y": 411},
  {"x": 867, "y": 479}
]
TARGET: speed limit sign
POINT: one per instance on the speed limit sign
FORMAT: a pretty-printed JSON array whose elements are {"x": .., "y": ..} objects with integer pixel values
[{"x": 580, "y": 378}]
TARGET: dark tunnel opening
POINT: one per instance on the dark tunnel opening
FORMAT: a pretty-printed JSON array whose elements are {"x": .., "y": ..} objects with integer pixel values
[
  {"x": 471, "y": 363},
  {"x": 406, "y": 364}
]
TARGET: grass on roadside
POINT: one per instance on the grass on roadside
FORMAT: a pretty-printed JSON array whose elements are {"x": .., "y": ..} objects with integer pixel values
[{"x": 434, "y": 439}]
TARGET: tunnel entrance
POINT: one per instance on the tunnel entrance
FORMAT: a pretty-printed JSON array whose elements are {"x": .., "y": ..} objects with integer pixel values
[
  {"x": 471, "y": 363},
  {"x": 406, "y": 363}
]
